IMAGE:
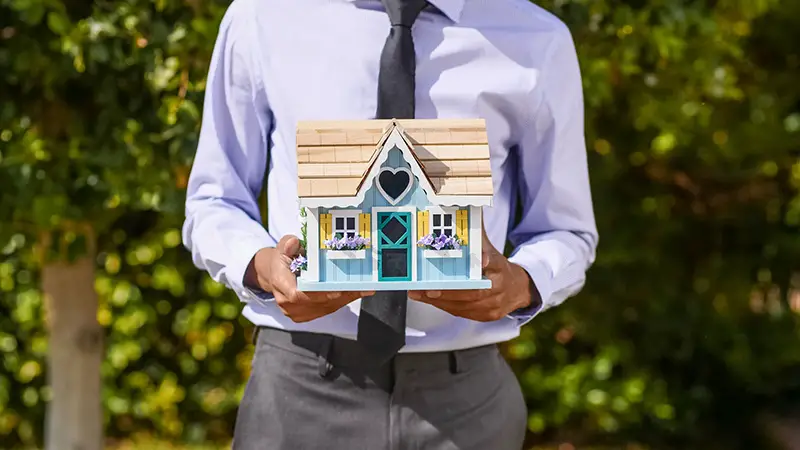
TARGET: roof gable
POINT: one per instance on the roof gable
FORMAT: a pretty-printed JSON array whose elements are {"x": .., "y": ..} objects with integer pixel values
[
  {"x": 337, "y": 161},
  {"x": 395, "y": 136},
  {"x": 395, "y": 140}
]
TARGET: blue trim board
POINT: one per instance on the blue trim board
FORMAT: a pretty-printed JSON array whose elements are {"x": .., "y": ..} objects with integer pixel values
[{"x": 360, "y": 286}]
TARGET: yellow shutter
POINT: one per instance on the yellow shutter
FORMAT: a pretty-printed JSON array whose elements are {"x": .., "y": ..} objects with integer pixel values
[
  {"x": 462, "y": 225},
  {"x": 325, "y": 229},
  {"x": 364, "y": 226},
  {"x": 422, "y": 224}
]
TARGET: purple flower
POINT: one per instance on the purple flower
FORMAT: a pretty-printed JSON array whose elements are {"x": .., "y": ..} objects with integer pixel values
[
  {"x": 298, "y": 264},
  {"x": 355, "y": 242},
  {"x": 426, "y": 241},
  {"x": 360, "y": 242},
  {"x": 440, "y": 242}
]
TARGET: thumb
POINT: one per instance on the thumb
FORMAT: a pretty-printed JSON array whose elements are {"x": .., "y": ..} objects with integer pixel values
[{"x": 289, "y": 245}]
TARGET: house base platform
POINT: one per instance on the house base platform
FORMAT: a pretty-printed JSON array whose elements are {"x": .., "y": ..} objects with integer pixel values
[{"x": 363, "y": 286}]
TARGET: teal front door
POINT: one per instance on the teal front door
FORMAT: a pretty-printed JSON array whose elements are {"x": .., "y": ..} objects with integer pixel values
[{"x": 394, "y": 246}]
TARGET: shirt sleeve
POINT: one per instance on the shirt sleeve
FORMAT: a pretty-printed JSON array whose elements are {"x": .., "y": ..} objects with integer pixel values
[
  {"x": 223, "y": 229},
  {"x": 556, "y": 238}
]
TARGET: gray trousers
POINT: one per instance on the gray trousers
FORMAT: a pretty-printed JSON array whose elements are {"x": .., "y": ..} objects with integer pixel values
[{"x": 312, "y": 391}]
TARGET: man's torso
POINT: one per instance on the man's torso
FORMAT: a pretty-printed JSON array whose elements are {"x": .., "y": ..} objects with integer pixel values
[{"x": 318, "y": 60}]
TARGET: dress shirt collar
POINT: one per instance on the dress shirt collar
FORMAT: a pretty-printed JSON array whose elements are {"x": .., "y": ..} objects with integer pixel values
[{"x": 450, "y": 8}]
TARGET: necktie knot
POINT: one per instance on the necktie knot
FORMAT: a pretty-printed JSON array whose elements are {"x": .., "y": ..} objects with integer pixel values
[{"x": 403, "y": 13}]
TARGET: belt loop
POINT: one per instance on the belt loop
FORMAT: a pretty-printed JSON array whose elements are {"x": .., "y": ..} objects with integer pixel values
[
  {"x": 325, "y": 366},
  {"x": 455, "y": 362},
  {"x": 256, "y": 332}
]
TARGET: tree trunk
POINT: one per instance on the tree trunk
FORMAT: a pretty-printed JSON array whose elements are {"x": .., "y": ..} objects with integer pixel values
[{"x": 74, "y": 415}]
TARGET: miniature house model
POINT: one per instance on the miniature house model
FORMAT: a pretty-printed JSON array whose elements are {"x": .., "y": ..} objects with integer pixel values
[{"x": 393, "y": 204}]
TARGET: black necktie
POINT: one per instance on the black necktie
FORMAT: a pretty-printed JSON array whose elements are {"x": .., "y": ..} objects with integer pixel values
[{"x": 382, "y": 321}]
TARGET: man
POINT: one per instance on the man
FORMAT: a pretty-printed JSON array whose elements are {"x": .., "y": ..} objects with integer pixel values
[{"x": 315, "y": 381}]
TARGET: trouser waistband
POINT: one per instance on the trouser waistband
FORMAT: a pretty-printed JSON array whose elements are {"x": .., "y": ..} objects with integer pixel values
[{"x": 334, "y": 351}]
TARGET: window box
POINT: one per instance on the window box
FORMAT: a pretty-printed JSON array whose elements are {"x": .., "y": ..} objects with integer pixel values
[
  {"x": 454, "y": 253},
  {"x": 346, "y": 254}
]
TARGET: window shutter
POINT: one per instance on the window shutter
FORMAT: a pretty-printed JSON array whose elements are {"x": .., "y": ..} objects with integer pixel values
[
  {"x": 364, "y": 226},
  {"x": 325, "y": 229},
  {"x": 462, "y": 225},
  {"x": 422, "y": 224}
]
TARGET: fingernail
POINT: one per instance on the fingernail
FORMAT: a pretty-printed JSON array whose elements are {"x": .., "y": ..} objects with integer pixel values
[
  {"x": 334, "y": 295},
  {"x": 434, "y": 294}
]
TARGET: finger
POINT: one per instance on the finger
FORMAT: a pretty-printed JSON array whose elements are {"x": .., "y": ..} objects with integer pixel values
[
  {"x": 326, "y": 297},
  {"x": 349, "y": 297},
  {"x": 284, "y": 282},
  {"x": 497, "y": 279},
  {"x": 304, "y": 311},
  {"x": 462, "y": 309},
  {"x": 318, "y": 297},
  {"x": 420, "y": 295},
  {"x": 484, "y": 309},
  {"x": 282, "y": 301},
  {"x": 307, "y": 313},
  {"x": 289, "y": 246},
  {"x": 461, "y": 296}
]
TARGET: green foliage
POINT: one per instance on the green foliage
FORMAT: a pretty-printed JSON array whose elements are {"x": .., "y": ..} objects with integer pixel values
[
  {"x": 687, "y": 324},
  {"x": 303, "y": 228},
  {"x": 105, "y": 101},
  {"x": 684, "y": 337},
  {"x": 177, "y": 352}
]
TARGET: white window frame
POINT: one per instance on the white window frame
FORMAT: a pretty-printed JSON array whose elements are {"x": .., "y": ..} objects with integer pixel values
[
  {"x": 344, "y": 214},
  {"x": 442, "y": 211}
]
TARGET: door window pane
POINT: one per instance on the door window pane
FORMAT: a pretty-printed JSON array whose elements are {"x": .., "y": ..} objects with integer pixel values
[
  {"x": 394, "y": 230},
  {"x": 394, "y": 263}
]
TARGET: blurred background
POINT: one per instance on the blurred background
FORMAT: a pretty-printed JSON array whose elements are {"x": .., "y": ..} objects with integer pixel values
[{"x": 685, "y": 336}]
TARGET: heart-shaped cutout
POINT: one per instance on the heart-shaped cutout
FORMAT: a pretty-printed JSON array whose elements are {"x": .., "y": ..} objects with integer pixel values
[{"x": 394, "y": 184}]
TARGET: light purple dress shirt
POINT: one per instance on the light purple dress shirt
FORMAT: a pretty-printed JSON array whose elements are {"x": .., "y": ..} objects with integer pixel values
[{"x": 506, "y": 61}]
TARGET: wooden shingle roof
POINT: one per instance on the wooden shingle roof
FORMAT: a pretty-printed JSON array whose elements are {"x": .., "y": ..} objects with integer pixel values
[{"x": 333, "y": 157}]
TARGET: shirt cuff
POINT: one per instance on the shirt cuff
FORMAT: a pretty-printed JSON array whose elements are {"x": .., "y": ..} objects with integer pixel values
[
  {"x": 525, "y": 315},
  {"x": 242, "y": 252},
  {"x": 541, "y": 279},
  {"x": 255, "y": 294}
]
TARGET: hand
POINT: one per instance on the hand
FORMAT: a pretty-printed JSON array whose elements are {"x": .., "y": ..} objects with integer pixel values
[
  {"x": 270, "y": 271},
  {"x": 511, "y": 290}
]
